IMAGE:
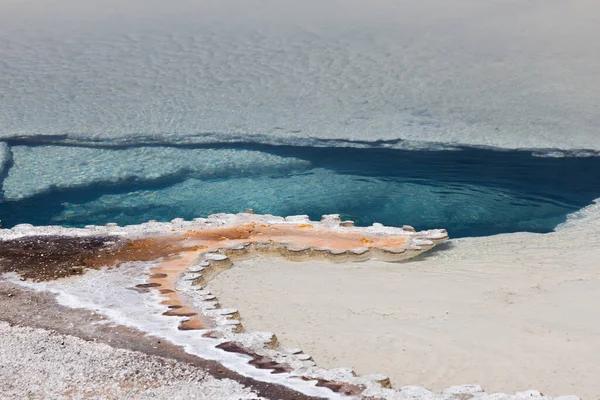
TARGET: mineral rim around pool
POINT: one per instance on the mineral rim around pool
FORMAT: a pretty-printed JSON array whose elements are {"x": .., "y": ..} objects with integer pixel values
[{"x": 161, "y": 268}]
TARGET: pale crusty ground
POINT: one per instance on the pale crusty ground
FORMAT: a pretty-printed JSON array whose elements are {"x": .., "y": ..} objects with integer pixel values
[
  {"x": 42, "y": 364},
  {"x": 510, "y": 312},
  {"x": 22, "y": 307}
]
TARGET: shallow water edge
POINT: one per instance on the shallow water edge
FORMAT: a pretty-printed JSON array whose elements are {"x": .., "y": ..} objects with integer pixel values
[{"x": 468, "y": 191}]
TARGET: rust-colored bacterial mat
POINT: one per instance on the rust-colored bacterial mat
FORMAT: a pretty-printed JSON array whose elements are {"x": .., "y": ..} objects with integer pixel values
[{"x": 177, "y": 259}]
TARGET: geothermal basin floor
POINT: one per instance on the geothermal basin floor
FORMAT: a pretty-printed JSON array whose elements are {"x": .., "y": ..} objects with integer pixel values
[{"x": 510, "y": 312}]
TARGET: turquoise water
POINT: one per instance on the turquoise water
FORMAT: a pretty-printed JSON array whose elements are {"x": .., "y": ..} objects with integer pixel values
[{"x": 470, "y": 192}]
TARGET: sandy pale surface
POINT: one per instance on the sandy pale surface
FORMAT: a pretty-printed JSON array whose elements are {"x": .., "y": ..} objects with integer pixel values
[
  {"x": 41, "y": 364},
  {"x": 49, "y": 351},
  {"x": 510, "y": 312}
]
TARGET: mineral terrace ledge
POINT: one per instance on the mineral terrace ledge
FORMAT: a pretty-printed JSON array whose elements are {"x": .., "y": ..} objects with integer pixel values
[{"x": 184, "y": 255}]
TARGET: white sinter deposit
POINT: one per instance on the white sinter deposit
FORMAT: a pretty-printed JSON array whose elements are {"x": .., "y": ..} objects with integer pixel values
[{"x": 549, "y": 283}]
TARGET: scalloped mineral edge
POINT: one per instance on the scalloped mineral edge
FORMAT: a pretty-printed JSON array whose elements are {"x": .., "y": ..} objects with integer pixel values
[
  {"x": 178, "y": 225},
  {"x": 258, "y": 342},
  {"x": 376, "y": 386}
]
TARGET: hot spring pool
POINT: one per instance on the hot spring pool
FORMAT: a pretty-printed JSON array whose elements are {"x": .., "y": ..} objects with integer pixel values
[{"x": 470, "y": 192}]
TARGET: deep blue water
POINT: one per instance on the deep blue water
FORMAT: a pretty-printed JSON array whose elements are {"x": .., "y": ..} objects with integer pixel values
[{"x": 471, "y": 192}]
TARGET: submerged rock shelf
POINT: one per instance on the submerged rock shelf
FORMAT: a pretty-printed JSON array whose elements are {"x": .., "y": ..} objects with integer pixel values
[{"x": 471, "y": 192}]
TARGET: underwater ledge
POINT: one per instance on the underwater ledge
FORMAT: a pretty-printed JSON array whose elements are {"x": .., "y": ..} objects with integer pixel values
[{"x": 469, "y": 191}]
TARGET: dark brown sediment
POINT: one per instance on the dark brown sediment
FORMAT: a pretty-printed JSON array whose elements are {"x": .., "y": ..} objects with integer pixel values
[{"x": 42, "y": 258}]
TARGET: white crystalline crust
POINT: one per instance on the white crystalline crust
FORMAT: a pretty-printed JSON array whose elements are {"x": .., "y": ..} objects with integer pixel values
[
  {"x": 144, "y": 312},
  {"x": 588, "y": 219},
  {"x": 216, "y": 220},
  {"x": 491, "y": 73}
]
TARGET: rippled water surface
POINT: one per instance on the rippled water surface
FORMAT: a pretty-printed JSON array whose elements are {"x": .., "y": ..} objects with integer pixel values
[
  {"x": 470, "y": 192},
  {"x": 509, "y": 74}
]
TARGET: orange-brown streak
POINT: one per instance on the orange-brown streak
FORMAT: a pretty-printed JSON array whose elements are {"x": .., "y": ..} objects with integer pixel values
[
  {"x": 178, "y": 250},
  {"x": 292, "y": 234},
  {"x": 166, "y": 275}
]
